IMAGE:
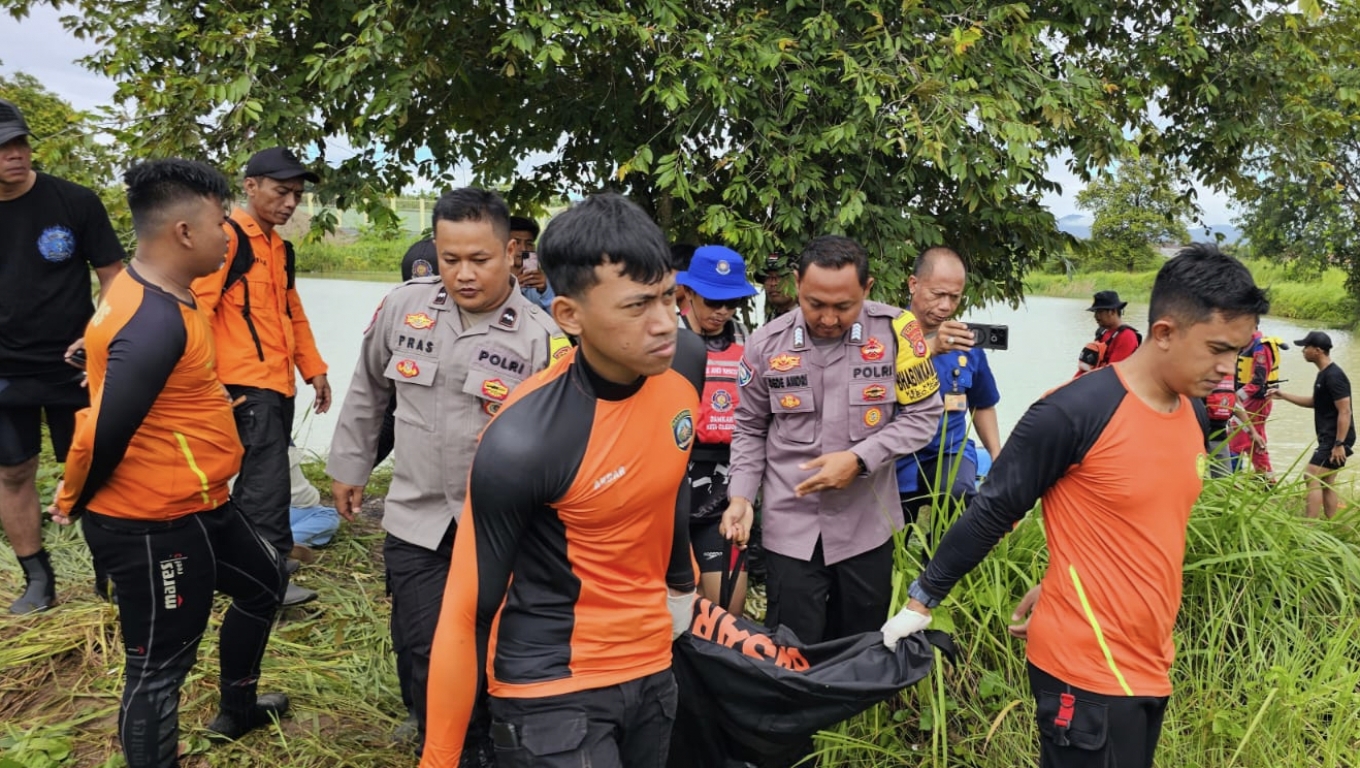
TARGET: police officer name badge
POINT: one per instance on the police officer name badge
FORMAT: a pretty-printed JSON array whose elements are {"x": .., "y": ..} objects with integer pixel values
[{"x": 914, "y": 373}]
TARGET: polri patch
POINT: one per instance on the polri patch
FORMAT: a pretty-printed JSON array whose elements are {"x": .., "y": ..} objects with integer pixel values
[
  {"x": 873, "y": 417},
  {"x": 419, "y": 321},
  {"x": 408, "y": 368},
  {"x": 495, "y": 389},
  {"x": 744, "y": 375},
  {"x": 785, "y": 362},
  {"x": 872, "y": 350},
  {"x": 790, "y": 401},
  {"x": 875, "y": 392}
]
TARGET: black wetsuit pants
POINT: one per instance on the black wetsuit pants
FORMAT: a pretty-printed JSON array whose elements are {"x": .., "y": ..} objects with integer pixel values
[{"x": 165, "y": 574}]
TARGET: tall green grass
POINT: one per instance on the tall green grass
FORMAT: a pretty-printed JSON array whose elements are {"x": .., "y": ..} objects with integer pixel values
[
  {"x": 369, "y": 252},
  {"x": 1319, "y": 296},
  {"x": 1268, "y": 649}
]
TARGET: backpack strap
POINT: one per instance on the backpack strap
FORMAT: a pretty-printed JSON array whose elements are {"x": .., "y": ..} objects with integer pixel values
[
  {"x": 241, "y": 261},
  {"x": 290, "y": 263},
  {"x": 290, "y": 269}
]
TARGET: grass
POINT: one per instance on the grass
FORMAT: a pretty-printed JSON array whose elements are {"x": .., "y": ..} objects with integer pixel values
[
  {"x": 369, "y": 252},
  {"x": 1267, "y": 670},
  {"x": 1268, "y": 662},
  {"x": 61, "y": 671},
  {"x": 1317, "y": 296}
]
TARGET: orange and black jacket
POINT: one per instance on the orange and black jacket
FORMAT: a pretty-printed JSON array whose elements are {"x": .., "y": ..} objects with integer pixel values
[
  {"x": 261, "y": 347},
  {"x": 159, "y": 440},
  {"x": 573, "y": 528},
  {"x": 1118, "y": 480}
]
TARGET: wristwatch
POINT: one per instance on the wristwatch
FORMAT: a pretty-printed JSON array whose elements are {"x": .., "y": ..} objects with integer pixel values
[
  {"x": 918, "y": 593},
  {"x": 863, "y": 468}
]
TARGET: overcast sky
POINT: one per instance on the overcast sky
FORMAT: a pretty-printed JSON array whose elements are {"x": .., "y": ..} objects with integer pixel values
[{"x": 40, "y": 46}]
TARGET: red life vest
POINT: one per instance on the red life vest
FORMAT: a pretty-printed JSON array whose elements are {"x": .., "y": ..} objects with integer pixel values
[
  {"x": 1220, "y": 402},
  {"x": 718, "y": 409}
]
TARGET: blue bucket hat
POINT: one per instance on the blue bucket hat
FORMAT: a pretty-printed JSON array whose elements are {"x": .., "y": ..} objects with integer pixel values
[{"x": 717, "y": 273}]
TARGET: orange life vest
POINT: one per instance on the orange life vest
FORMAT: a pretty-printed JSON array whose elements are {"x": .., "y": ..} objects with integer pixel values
[{"x": 718, "y": 408}]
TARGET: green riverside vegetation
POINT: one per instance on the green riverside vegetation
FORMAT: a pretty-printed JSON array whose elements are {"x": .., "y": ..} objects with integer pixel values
[{"x": 1295, "y": 292}]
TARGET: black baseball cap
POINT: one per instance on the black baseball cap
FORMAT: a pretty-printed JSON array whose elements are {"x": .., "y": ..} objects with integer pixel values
[
  {"x": 1316, "y": 339},
  {"x": 279, "y": 163},
  {"x": 12, "y": 124}
]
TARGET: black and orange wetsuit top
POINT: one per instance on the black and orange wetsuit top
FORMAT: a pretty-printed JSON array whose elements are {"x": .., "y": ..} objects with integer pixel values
[
  {"x": 1118, "y": 480},
  {"x": 158, "y": 440},
  {"x": 572, "y": 530}
]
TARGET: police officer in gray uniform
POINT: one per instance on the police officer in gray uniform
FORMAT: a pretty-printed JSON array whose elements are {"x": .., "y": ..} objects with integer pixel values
[
  {"x": 451, "y": 348},
  {"x": 831, "y": 395}
]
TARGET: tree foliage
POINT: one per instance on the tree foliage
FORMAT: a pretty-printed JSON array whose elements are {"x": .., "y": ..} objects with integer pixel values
[
  {"x": 66, "y": 143},
  {"x": 64, "y": 140},
  {"x": 903, "y": 124},
  {"x": 1303, "y": 204},
  {"x": 1136, "y": 209}
]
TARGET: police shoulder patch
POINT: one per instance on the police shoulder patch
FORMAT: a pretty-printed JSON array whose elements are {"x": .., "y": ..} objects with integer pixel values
[{"x": 744, "y": 374}]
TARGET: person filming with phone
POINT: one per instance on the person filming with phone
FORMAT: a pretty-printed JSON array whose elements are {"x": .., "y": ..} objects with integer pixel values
[
  {"x": 967, "y": 387},
  {"x": 532, "y": 282}
]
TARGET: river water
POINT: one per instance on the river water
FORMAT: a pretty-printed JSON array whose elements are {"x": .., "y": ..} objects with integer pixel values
[{"x": 1045, "y": 336}]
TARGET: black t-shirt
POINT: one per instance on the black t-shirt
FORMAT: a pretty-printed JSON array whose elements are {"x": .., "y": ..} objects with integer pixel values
[
  {"x": 1331, "y": 385},
  {"x": 49, "y": 239}
]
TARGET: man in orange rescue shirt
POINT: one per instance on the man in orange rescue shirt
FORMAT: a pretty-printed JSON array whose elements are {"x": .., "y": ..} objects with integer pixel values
[
  {"x": 1117, "y": 456},
  {"x": 571, "y": 570},
  {"x": 148, "y": 471}
]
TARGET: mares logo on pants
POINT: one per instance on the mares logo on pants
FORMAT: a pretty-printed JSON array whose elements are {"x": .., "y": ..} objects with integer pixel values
[{"x": 172, "y": 568}]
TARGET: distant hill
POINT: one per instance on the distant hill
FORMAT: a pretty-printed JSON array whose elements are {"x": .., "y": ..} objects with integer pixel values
[{"x": 1231, "y": 234}]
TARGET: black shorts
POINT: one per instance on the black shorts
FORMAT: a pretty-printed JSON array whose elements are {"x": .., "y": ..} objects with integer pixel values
[
  {"x": 25, "y": 400},
  {"x": 1322, "y": 457},
  {"x": 709, "y": 544}
]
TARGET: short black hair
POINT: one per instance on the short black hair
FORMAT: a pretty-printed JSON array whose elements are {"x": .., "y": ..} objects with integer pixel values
[
  {"x": 926, "y": 261},
  {"x": 602, "y": 229},
  {"x": 681, "y": 255},
  {"x": 835, "y": 252},
  {"x": 524, "y": 224},
  {"x": 1201, "y": 280},
  {"x": 153, "y": 186},
  {"x": 473, "y": 204}
]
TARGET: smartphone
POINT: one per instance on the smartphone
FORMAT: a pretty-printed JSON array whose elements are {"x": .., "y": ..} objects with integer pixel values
[
  {"x": 77, "y": 358},
  {"x": 990, "y": 336},
  {"x": 530, "y": 262}
]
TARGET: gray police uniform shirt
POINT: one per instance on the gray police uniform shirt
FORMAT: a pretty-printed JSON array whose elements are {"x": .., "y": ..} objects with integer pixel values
[
  {"x": 448, "y": 382},
  {"x": 873, "y": 393}
]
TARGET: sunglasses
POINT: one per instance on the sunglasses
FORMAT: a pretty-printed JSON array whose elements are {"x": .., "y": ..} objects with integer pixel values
[{"x": 733, "y": 304}]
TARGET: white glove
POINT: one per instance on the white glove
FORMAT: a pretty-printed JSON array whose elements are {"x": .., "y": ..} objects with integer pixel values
[
  {"x": 682, "y": 612},
  {"x": 906, "y": 622}
]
